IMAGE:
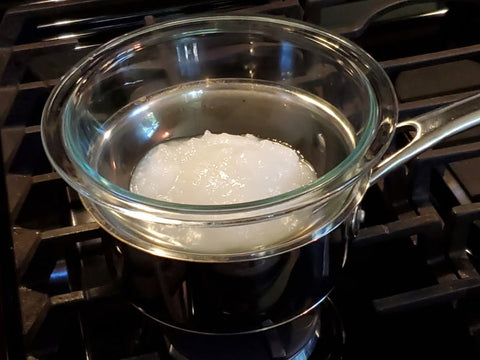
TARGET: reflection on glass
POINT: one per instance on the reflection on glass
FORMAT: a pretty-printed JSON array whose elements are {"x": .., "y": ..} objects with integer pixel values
[
  {"x": 149, "y": 125},
  {"x": 286, "y": 60},
  {"x": 187, "y": 57}
]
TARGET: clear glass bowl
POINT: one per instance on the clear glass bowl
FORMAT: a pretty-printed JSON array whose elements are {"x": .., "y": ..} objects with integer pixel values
[{"x": 270, "y": 77}]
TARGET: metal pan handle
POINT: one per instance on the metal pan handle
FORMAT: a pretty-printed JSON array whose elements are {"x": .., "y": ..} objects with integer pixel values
[{"x": 431, "y": 128}]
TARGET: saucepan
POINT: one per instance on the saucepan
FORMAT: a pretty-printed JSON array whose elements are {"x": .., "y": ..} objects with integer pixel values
[{"x": 246, "y": 267}]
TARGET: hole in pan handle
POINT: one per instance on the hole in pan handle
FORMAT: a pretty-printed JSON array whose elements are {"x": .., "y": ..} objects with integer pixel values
[{"x": 431, "y": 128}]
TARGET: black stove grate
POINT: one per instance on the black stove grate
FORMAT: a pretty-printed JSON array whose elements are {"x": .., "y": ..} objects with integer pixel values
[{"x": 411, "y": 286}]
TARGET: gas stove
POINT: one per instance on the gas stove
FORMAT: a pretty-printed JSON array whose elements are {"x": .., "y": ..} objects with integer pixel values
[{"x": 411, "y": 284}]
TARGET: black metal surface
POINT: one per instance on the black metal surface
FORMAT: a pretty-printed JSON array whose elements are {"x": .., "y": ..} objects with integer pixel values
[
  {"x": 410, "y": 288},
  {"x": 11, "y": 340},
  {"x": 25, "y": 244}
]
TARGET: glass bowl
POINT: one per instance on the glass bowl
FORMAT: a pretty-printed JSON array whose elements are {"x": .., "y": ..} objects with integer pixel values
[{"x": 270, "y": 77}]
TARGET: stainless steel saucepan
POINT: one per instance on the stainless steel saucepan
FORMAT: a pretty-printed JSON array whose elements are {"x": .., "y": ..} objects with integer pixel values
[{"x": 242, "y": 267}]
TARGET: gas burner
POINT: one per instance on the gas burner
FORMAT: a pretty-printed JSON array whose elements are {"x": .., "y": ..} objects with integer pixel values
[{"x": 318, "y": 334}]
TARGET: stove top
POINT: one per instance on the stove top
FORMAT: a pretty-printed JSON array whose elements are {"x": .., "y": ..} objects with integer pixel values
[{"x": 411, "y": 285}]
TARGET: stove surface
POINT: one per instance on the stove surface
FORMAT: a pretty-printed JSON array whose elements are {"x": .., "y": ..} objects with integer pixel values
[{"x": 411, "y": 285}]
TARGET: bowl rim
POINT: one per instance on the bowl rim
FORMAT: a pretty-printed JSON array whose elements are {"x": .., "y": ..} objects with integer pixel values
[{"x": 115, "y": 190}]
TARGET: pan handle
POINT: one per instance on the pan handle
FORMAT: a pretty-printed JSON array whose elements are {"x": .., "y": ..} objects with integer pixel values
[{"x": 431, "y": 128}]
